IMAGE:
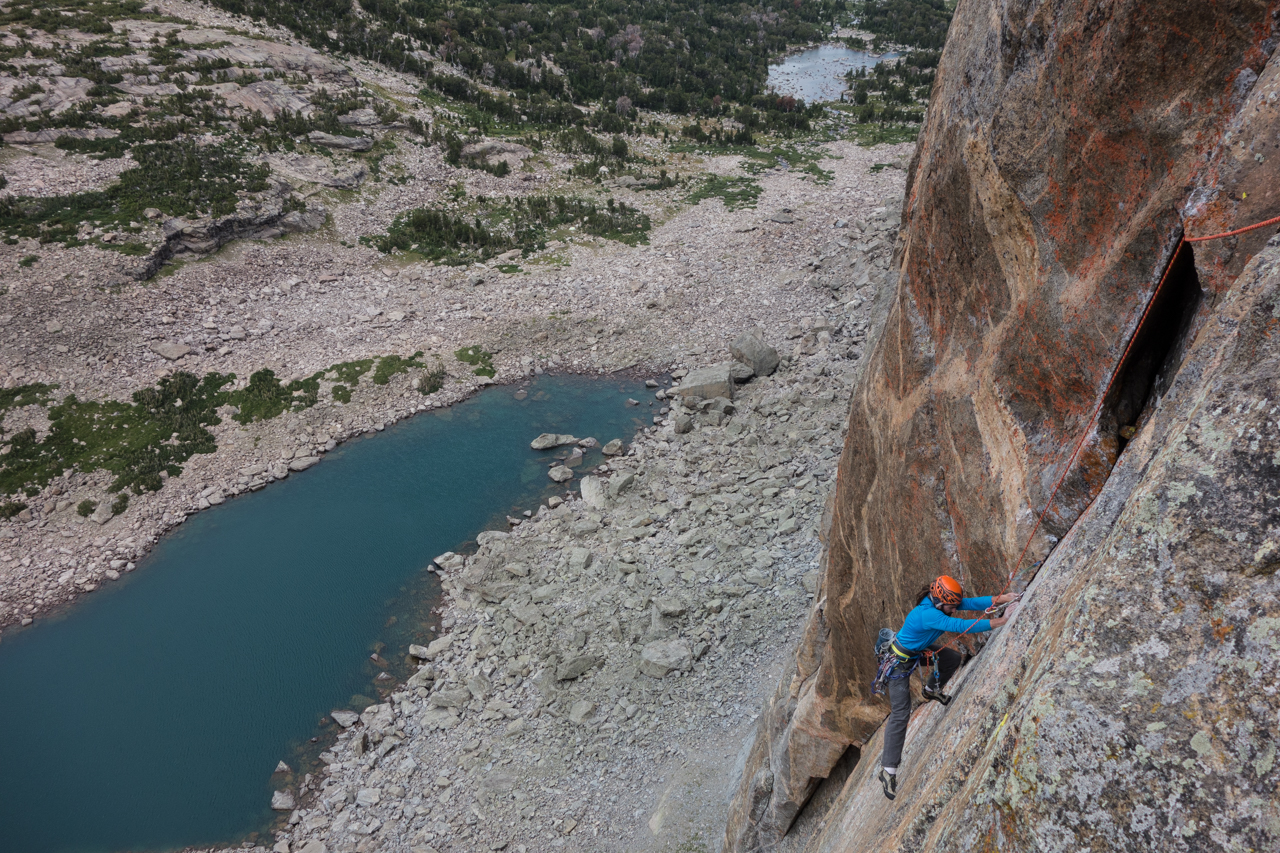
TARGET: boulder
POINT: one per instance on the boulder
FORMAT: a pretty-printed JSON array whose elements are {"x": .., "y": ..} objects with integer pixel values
[
  {"x": 283, "y": 801},
  {"x": 169, "y": 350},
  {"x": 613, "y": 448},
  {"x": 548, "y": 440},
  {"x": 593, "y": 492},
  {"x": 661, "y": 657},
  {"x": 561, "y": 474},
  {"x": 577, "y": 666},
  {"x": 620, "y": 482},
  {"x": 303, "y": 463},
  {"x": 455, "y": 698},
  {"x": 750, "y": 349},
  {"x": 437, "y": 647},
  {"x": 682, "y": 424},
  {"x": 346, "y": 719},
  {"x": 450, "y": 562},
  {"x": 707, "y": 382},
  {"x": 581, "y": 711}
]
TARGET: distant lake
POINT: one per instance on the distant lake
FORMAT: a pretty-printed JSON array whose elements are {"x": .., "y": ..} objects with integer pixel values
[{"x": 817, "y": 75}]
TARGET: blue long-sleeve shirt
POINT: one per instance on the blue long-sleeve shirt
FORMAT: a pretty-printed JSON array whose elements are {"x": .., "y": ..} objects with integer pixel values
[{"x": 926, "y": 623}]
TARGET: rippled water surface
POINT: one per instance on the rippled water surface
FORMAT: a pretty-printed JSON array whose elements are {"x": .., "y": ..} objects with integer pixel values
[
  {"x": 817, "y": 75},
  {"x": 151, "y": 715}
]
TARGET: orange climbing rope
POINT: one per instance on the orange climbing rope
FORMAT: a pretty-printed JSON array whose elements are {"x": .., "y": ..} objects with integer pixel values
[{"x": 1274, "y": 220}]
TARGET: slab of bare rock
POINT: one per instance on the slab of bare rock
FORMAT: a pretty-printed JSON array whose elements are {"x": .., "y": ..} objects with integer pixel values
[
  {"x": 613, "y": 448},
  {"x": 560, "y": 474},
  {"x": 750, "y": 349},
  {"x": 303, "y": 463},
  {"x": 577, "y": 666},
  {"x": 341, "y": 143},
  {"x": 169, "y": 350},
  {"x": 665, "y": 656},
  {"x": 707, "y": 382},
  {"x": 548, "y": 440},
  {"x": 493, "y": 149}
]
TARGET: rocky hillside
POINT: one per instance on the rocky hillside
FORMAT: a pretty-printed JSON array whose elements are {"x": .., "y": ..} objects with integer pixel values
[{"x": 1129, "y": 704}]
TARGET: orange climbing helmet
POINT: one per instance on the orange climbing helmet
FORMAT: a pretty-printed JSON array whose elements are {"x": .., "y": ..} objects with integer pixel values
[{"x": 946, "y": 590}]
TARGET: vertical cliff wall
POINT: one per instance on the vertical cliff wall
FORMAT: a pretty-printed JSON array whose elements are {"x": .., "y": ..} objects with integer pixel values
[{"x": 1069, "y": 146}]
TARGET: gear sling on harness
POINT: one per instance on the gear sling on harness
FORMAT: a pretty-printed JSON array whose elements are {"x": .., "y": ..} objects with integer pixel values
[{"x": 894, "y": 659}]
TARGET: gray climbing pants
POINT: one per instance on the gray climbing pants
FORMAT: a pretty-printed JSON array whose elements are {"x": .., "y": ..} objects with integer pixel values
[{"x": 895, "y": 728}]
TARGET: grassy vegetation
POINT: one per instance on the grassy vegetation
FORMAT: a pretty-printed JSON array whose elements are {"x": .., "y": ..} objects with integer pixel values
[
  {"x": 34, "y": 394},
  {"x": 524, "y": 223},
  {"x": 10, "y": 509},
  {"x": 162, "y": 427},
  {"x": 181, "y": 178},
  {"x": 481, "y": 360},
  {"x": 736, "y": 193},
  {"x": 432, "y": 381}
]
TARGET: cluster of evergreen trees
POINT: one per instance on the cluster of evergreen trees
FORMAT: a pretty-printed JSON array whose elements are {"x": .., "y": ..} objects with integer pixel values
[
  {"x": 519, "y": 223},
  {"x": 916, "y": 23},
  {"x": 682, "y": 56}
]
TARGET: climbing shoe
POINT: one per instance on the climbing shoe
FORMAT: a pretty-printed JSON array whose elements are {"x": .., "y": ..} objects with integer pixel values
[
  {"x": 936, "y": 695},
  {"x": 890, "y": 784}
]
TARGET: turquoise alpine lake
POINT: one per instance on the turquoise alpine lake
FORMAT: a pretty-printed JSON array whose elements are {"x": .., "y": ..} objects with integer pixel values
[
  {"x": 817, "y": 75},
  {"x": 151, "y": 715}
]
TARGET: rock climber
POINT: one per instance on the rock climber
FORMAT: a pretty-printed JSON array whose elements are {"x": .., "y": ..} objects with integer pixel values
[{"x": 932, "y": 617}]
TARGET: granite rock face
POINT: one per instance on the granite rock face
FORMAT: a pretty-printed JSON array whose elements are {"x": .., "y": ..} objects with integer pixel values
[{"x": 1062, "y": 161}]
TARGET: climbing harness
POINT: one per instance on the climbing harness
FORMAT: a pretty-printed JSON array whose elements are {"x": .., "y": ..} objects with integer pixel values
[{"x": 895, "y": 662}]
